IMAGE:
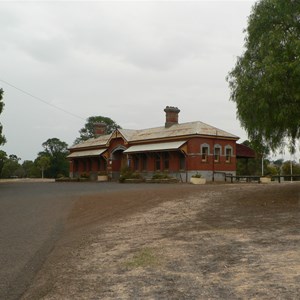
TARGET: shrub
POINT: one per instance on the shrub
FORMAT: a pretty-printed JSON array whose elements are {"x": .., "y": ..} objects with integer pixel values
[
  {"x": 136, "y": 175},
  {"x": 160, "y": 176},
  {"x": 84, "y": 175},
  {"x": 127, "y": 173},
  {"x": 197, "y": 175}
]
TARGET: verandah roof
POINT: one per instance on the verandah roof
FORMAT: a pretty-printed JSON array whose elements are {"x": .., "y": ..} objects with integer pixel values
[
  {"x": 86, "y": 153},
  {"x": 155, "y": 147},
  {"x": 243, "y": 151}
]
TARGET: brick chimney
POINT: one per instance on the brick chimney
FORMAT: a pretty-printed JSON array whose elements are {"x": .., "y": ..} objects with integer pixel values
[
  {"x": 99, "y": 129},
  {"x": 171, "y": 116}
]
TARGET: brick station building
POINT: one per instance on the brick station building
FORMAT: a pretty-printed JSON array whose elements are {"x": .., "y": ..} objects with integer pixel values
[{"x": 181, "y": 150}]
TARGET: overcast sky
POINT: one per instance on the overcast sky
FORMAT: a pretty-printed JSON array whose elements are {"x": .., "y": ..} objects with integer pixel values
[{"x": 123, "y": 60}]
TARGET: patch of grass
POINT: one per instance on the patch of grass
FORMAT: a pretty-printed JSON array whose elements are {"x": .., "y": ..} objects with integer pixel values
[{"x": 143, "y": 258}]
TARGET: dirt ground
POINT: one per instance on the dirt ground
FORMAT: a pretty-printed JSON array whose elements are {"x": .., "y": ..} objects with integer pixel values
[{"x": 222, "y": 241}]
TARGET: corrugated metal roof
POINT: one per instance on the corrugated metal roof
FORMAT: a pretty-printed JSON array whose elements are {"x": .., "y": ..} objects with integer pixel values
[
  {"x": 191, "y": 128},
  {"x": 99, "y": 141},
  {"x": 155, "y": 147},
  {"x": 86, "y": 153},
  {"x": 176, "y": 130}
]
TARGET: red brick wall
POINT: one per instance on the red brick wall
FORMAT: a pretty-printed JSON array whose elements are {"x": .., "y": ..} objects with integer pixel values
[{"x": 194, "y": 158}]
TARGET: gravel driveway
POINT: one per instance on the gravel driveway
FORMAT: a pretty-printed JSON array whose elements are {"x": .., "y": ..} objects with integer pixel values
[
  {"x": 227, "y": 241},
  {"x": 32, "y": 218}
]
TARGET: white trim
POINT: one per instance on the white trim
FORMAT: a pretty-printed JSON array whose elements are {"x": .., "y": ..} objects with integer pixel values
[{"x": 155, "y": 147}]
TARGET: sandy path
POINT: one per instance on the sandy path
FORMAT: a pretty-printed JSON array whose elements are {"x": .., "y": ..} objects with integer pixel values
[{"x": 180, "y": 242}]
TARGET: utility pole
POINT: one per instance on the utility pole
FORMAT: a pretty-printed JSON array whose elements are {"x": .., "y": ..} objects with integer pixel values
[
  {"x": 291, "y": 167},
  {"x": 262, "y": 165}
]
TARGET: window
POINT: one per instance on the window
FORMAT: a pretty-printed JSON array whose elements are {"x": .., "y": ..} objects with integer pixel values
[
  {"x": 166, "y": 157},
  {"x": 217, "y": 153},
  {"x": 228, "y": 153},
  {"x": 204, "y": 153}
]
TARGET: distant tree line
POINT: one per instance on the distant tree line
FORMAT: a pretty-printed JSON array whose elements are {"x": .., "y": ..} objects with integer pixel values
[{"x": 52, "y": 161}]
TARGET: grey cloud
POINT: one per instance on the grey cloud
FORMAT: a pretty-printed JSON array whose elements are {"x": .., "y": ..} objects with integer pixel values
[{"x": 116, "y": 59}]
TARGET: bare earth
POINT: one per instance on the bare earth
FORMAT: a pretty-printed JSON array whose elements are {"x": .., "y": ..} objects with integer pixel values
[{"x": 225, "y": 241}]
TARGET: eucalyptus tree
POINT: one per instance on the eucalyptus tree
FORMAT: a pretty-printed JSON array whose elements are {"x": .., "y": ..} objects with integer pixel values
[
  {"x": 265, "y": 82},
  {"x": 2, "y": 137}
]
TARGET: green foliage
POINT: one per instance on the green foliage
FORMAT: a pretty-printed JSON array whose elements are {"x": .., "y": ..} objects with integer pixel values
[
  {"x": 2, "y": 137},
  {"x": 3, "y": 158},
  {"x": 272, "y": 170},
  {"x": 265, "y": 83},
  {"x": 11, "y": 167},
  {"x": 286, "y": 168},
  {"x": 258, "y": 146},
  {"x": 161, "y": 176},
  {"x": 127, "y": 173},
  {"x": 87, "y": 131},
  {"x": 197, "y": 175},
  {"x": 56, "y": 151},
  {"x": 43, "y": 162},
  {"x": 30, "y": 170}
]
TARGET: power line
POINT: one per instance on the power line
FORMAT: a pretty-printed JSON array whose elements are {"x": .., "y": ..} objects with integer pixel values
[{"x": 42, "y": 100}]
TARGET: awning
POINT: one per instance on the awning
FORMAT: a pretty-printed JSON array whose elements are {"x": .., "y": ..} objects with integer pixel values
[
  {"x": 155, "y": 147},
  {"x": 86, "y": 153}
]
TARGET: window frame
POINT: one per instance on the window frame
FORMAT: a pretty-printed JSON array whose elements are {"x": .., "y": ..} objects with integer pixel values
[
  {"x": 228, "y": 157},
  {"x": 204, "y": 156},
  {"x": 217, "y": 157}
]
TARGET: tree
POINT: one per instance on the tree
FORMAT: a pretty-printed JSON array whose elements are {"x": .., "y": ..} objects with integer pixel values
[
  {"x": 286, "y": 168},
  {"x": 87, "y": 131},
  {"x": 43, "y": 162},
  {"x": 30, "y": 169},
  {"x": 3, "y": 158},
  {"x": 2, "y": 137},
  {"x": 265, "y": 82},
  {"x": 56, "y": 150},
  {"x": 11, "y": 167}
]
